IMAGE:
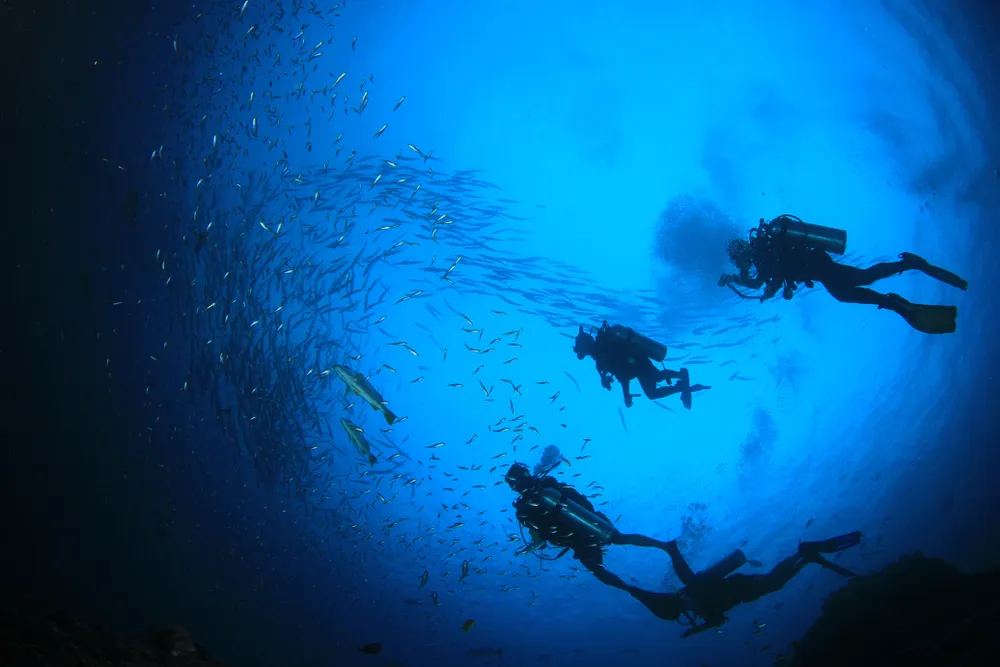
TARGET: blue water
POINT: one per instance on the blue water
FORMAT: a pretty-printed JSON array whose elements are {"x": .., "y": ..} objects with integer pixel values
[{"x": 580, "y": 162}]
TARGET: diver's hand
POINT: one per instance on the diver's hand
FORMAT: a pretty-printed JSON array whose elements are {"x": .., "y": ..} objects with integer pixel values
[
  {"x": 606, "y": 382},
  {"x": 725, "y": 280},
  {"x": 628, "y": 401}
]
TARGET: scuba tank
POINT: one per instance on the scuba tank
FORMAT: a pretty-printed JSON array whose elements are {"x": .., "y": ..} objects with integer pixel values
[
  {"x": 725, "y": 567},
  {"x": 576, "y": 517},
  {"x": 648, "y": 346},
  {"x": 787, "y": 230}
]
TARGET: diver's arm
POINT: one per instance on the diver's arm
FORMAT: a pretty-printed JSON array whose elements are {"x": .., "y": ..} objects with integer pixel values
[
  {"x": 728, "y": 279},
  {"x": 537, "y": 542},
  {"x": 521, "y": 508},
  {"x": 743, "y": 279},
  {"x": 771, "y": 290},
  {"x": 519, "y": 511}
]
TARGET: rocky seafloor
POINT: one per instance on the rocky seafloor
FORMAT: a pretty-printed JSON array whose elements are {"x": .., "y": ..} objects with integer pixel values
[
  {"x": 916, "y": 612},
  {"x": 32, "y": 635}
]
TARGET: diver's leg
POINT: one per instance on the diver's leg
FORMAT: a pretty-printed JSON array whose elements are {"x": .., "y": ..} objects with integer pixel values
[
  {"x": 664, "y": 605},
  {"x": 928, "y": 319},
  {"x": 590, "y": 556},
  {"x": 920, "y": 264},
  {"x": 749, "y": 587},
  {"x": 649, "y": 380},
  {"x": 684, "y": 390},
  {"x": 683, "y": 570},
  {"x": 636, "y": 540},
  {"x": 654, "y": 392},
  {"x": 845, "y": 283},
  {"x": 846, "y": 275},
  {"x": 810, "y": 551},
  {"x": 608, "y": 578},
  {"x": 687, "y": 388},
  {"x": 847, "y": 293},
  {"x": 832, "y": 545},
  {"x": 852, "y": 276},
  {"x": 648, "y": 375},
  {"x": 648, "y": 383},
  {"x": 667, "y": 375}
]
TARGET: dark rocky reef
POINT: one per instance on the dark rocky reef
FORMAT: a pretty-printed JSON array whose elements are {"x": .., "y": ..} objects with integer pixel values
[
  {"x": 33, "y": 636},
  {"x": 916, "y": 612}
]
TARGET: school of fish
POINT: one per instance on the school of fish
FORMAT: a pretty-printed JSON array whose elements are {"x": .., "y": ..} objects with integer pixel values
[{"x": 299, "y": 257}]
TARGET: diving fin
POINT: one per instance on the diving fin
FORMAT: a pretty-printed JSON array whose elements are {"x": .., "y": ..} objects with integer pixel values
[
  {"x": 685, "y": 383},
  {"x": 810, "y": 551},
  {"x": 687, "y": 388},
  {"x": 936, "y": 272},
  {"x": 928, "y": 319},
  {"x": 819, "y": 560},
  {"x": 832, "y": 545},
  {"x": 686, "y": 395}
]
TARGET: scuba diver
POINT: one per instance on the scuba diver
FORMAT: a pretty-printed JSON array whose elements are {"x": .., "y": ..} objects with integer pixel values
[
  {"x": 626, "y": 354},
  {"x": 710, "y": 594},
  {"x": 560, "y": 515},
  {"x": 786, "y": 251}
]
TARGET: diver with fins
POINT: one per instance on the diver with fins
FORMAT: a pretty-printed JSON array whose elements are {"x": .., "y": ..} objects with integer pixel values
[
  {"x": 557, "y": 514},
  {"x": 708, "y": 595},
  {"x": 786, "y": 251},
  {"x": 625, "y": 354}
]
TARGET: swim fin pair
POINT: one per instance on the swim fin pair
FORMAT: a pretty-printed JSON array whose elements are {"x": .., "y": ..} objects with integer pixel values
[
  {"x": 687, "y": 389},
  {"x": 928, "y": 319},
  {"x": 920, "y": 264},
  {"x": 810, "y": 551}
]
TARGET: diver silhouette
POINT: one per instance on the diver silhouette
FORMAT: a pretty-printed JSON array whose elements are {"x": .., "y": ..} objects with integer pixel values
[
  {"x": 625, "y": 354},
  {"x": 710, "y": 594},
  {"x": 786, "y": 251},
  {"x": 560, "y": 515}
]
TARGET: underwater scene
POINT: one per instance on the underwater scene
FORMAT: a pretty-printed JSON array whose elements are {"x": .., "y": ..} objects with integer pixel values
[{"x": 396, "y": 334}]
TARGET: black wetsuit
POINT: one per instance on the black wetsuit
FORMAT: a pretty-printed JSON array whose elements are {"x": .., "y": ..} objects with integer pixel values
[
  {"x": 586, "y": 548},
  {"x": 615, "y": 357},
  {"x": 800, "y": 265},
  {"x": 710, "y": 597}
]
